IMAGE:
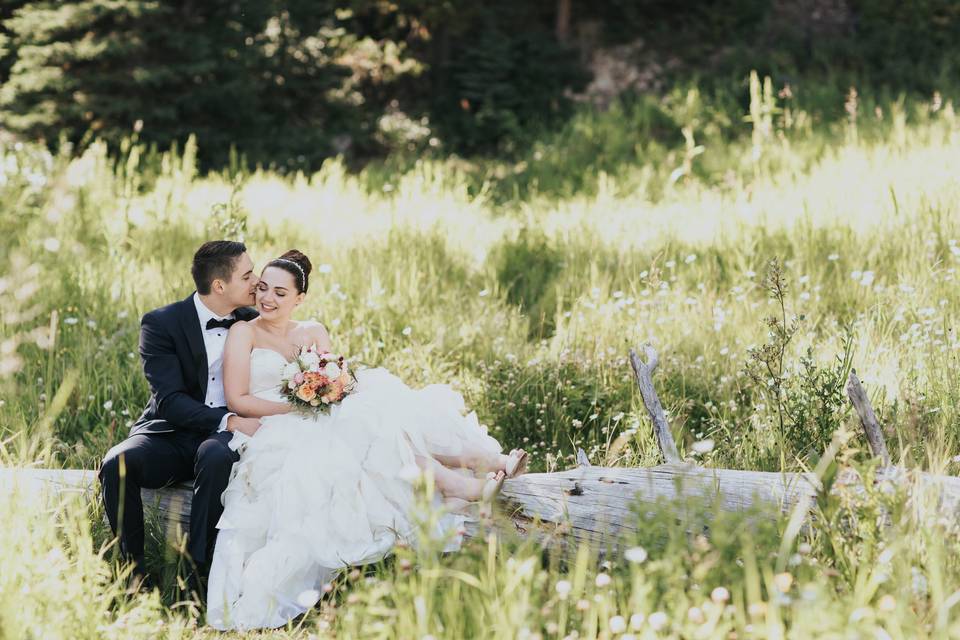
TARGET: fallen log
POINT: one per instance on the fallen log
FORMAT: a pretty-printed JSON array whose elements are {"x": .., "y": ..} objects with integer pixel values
[{"x": 604, "y": 506}]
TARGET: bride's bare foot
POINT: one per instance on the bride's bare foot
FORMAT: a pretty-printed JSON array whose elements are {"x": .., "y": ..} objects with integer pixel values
[
  {"x": 455, "y": 486},
  {"x": 513, "y": 464},
  {"x": 516, "y": 463},
  {"x": 491, "y": 488}
]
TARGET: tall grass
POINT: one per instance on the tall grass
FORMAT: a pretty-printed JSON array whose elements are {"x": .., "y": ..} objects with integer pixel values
[{"x": 529, "y": 306}]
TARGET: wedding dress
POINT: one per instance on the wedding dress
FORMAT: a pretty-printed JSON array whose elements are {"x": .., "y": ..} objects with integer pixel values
[{"x": 312, "y": 495}]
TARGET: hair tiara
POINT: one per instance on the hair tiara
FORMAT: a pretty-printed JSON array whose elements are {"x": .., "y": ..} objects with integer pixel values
[{"x": 303, "y": 276}]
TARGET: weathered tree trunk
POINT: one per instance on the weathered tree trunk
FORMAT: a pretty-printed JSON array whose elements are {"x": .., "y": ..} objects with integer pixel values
[
  {"x": 562, "y": 31},
  {"x": 601, "y": 505}
]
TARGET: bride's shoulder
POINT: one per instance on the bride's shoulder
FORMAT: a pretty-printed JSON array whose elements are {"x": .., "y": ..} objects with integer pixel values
[
  {"x": 314, "y": 330},
  {"x": 242, "y": 329},
  {"x": 312, "y": 327}
]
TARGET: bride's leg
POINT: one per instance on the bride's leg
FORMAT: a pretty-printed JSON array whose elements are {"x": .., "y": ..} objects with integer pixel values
[
  {"x": 451, "y": 483},
  {"x": 474, "y": 458}
]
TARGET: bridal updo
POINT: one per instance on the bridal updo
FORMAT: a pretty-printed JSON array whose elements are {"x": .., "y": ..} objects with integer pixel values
[{"x": 296, "y": 264}]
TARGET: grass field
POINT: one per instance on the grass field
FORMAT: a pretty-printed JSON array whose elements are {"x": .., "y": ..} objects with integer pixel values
[{"x": 846, "y": 235}]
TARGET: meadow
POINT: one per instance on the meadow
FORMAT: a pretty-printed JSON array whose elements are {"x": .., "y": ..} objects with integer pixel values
[{"x": 762, "y": 268}]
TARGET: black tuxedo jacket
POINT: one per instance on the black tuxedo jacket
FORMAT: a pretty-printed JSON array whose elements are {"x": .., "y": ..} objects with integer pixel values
[{"x": 175, "y": 364}]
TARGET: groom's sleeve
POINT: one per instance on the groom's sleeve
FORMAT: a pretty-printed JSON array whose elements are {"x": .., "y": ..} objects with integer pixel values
[{"x": 161, "y": 366}]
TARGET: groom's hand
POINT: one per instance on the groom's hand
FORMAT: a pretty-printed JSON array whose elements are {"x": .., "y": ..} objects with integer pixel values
[{"x": 246, "y": 426}]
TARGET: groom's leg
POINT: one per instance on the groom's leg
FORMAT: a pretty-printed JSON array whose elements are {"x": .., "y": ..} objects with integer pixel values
[
  {"x": 212, "y": 468},
  {"x": 141, "y": 461}
]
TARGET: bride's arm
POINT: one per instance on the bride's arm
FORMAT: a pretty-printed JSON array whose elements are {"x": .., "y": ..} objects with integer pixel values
[
  {"x": 320, "y": 337},
  {"x": 236, "y": 376}
]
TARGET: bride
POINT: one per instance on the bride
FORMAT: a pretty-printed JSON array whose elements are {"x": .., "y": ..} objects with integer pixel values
[{"x": 310, "y": 496}]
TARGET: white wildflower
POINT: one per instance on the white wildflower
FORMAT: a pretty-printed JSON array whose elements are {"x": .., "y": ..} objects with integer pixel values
[
  {"x": 636, "y": 555},
  {"x": 618, "y": 624},
  {"x": 658, "y": 620},
  {"x": 720, "y": 595},
  {"x": 703, "y": 446}
]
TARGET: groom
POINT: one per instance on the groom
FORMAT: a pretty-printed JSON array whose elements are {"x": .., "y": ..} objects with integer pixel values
[{"x": 184, "y": 430}]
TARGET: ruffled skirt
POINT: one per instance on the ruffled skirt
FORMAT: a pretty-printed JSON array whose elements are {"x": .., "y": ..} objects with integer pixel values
[{"x": 311, "y": 496}]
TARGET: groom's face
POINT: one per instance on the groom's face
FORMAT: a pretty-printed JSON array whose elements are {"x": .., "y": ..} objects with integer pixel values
[{"x": 239, "y": 290}]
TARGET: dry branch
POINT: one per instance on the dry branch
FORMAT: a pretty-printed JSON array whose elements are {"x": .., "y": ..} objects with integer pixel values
[
  {"x": 871, "y": 426},
  {"x": 643, "y": 373}
]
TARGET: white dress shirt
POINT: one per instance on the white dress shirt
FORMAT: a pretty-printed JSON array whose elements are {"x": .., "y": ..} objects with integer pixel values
[{"x": 213, "y": 341}]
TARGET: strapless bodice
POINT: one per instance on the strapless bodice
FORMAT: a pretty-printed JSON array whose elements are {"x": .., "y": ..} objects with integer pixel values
[{"x": 266, "y": 369}]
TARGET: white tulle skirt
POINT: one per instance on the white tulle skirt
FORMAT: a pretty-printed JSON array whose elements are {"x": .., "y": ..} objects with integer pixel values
[{"x": 310, "y": 497}]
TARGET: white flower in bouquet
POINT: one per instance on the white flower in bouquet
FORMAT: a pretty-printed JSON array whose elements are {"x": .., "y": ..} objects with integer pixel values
[
  {"x": 310, "y": 360},
  {"x": 331, "y": 370},
  {"x": 290, "y": 370}
]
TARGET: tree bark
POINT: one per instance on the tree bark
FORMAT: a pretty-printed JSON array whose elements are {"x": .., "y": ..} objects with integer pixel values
[{"x": 604, "y": 506}]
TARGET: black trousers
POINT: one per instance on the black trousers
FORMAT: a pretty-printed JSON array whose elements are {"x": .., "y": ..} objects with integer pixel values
[{"x": 155, "y": 460}]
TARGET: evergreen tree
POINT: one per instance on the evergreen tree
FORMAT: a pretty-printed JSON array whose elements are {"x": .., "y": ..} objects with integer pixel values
[
  {"x": 229, "y": 72},
  {"x": 7, "y": 55}
]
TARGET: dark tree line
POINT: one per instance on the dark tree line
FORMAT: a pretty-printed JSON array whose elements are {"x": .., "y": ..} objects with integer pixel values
[{"x": 291, "y": 82}]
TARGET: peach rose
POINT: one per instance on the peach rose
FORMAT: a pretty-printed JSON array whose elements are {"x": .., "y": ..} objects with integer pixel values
[{"x": 307, "y": 392}]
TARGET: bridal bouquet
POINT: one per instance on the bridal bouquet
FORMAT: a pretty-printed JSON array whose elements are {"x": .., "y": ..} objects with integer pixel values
[{"x": 315, "y": 380}]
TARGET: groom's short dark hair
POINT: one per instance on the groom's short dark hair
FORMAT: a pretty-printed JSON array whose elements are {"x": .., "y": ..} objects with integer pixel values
[{"x": 213, "y": 260}]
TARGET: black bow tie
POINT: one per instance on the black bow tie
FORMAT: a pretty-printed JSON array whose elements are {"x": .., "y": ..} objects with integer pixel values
[{"x": 226, "y": 323}]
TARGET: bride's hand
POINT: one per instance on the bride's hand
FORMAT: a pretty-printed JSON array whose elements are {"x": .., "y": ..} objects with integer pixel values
[{"x": 246, "y": 426}]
